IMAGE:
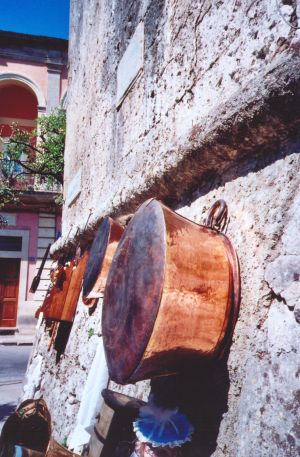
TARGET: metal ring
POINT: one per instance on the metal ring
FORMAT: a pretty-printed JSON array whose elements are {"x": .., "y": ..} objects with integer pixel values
[{"x": 217, "y": 216}]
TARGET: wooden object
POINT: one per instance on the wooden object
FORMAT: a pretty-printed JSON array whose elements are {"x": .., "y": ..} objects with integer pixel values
[
  {"x": 121, "y": 402},
  {"x": 100, "y": 258},
  {"x": 53, "y": 333},
  {"x": 113, "y": 433},
  {"x": 171, "y": 297}
]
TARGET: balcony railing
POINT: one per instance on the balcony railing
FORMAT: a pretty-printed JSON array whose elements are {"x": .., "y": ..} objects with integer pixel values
[{"x": 22, "y": 180}]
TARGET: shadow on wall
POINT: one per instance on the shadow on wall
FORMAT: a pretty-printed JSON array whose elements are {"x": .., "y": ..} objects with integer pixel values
[
  {"x": 211, "y": 180},
  {"x": 61, "y": 338},
  {"x": 202, "y": 394}
]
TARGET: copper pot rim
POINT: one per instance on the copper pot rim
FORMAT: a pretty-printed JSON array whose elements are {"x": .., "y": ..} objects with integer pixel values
[{"x": 103, "y": 229}]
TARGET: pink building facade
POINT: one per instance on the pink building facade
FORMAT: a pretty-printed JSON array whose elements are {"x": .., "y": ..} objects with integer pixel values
[{"x": 33, "y": 82}]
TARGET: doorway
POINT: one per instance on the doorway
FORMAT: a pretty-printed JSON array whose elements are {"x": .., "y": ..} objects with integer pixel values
[{"x": 9, "y": 291}]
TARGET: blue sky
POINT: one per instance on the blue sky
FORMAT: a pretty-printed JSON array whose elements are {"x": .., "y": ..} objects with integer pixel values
[{"x": 36, "y": 17}]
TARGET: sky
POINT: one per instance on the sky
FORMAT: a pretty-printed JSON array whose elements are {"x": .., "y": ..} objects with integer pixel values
[{"x": 36, "y": 17}]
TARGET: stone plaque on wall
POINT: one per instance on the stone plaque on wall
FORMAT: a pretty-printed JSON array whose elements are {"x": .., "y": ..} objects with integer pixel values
[
  {"x": 74, "y": 188},
  {"x": 131, "y": 64}
]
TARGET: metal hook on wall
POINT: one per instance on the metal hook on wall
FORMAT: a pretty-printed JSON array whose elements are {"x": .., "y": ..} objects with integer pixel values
[{"x": 217, "y": 216}]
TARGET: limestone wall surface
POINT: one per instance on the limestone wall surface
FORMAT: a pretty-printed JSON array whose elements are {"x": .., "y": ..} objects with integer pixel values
[
  {"x": 209, "y": 67},
  {"x": 214, "y": 114}
]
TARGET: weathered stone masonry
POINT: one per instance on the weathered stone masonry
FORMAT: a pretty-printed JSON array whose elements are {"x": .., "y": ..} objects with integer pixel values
[{"x": 214, "y": 114}]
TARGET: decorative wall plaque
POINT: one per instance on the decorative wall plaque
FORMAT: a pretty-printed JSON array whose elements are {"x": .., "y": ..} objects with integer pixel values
[
  {"x": 131, "y": 64},
  {"x": 74, "y": 188}
]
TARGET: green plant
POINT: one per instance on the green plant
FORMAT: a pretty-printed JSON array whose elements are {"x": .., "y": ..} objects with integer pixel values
[
  {"x": 91, "y": 332},
  {"x": 7, "y": 195},
  {"x": 40, "y": 152},
  {"x": 64, "y": 441}
]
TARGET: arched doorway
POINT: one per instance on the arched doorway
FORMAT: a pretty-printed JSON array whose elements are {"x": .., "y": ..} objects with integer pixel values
[{"x": 19, "y": 105}]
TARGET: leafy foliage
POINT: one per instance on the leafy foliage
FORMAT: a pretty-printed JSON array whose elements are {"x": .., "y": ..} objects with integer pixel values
[
  {"x": 7, "y": 195},
  {"x": 24, "y": 155}
]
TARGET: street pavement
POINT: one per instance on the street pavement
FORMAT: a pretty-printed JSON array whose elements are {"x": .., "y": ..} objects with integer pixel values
[{"x": 13, "y": 363}]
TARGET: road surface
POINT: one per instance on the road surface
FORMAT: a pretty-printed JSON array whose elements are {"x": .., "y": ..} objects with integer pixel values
[{"x": 13, "y": 363}]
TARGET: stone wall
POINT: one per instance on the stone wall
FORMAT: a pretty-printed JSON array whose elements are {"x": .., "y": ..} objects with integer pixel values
[
  {"x": 263, "y": 368},
  {"x": 213, "y": 115},
  {"x": 212, "y": 89}
]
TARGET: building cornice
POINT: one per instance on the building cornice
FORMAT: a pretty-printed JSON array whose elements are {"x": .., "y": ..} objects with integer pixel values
[
  {"x": 33, "y": 48},
  {"x": 34, "y": 201}
]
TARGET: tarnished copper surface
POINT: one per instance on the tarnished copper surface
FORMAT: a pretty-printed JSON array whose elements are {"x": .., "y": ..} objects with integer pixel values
[
  {"x": 171, "y": 295},
  {"x": 100, "y": 258},
  {"x": 61, "y": 302},
  {"x": 54, "y": 300},
  {"x": 133, "y": 291},
  {"x": 70, "y": 304}
]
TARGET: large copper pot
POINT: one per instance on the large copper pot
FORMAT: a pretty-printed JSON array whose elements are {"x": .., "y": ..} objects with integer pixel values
[
  {"x": 100, "y": 258},
  {"x": 171, "y": 296}
]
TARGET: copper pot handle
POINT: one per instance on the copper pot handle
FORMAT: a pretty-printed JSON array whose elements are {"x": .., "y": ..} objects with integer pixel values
[{"x": 217, "y": 216}]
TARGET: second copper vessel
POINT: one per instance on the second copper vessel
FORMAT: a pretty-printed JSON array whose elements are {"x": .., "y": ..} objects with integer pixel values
[{"x": 101, "y": 254}]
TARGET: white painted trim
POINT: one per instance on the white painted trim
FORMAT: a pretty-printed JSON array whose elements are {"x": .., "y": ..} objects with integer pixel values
[
  {"x": 23, "y": 255},
  {"x": 16, "y": 77},
  {"x": 10, "y": 217}
]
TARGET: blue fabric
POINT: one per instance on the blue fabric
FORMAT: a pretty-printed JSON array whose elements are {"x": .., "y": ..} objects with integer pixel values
[{"x": 162, "y": 427}]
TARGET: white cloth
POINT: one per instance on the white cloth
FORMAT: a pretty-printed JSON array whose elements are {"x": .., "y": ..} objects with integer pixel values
[{"x": 91, "y": 400}]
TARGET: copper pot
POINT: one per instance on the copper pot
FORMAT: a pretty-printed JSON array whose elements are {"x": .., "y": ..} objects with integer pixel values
[
  {"x": 61, "y": 302},
  {"x": 101, "y": 254},
  {"x": 171, "y": 296}
]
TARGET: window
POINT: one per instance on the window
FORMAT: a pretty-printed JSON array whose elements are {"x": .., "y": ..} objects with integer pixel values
[{"x": 11, "y": 243}]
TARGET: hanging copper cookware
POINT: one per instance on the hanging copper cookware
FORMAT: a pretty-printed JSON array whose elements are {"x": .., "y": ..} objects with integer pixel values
[
  {"x": 101, "y": 254},
  {"x": 171, "y": 296},
  {"x": 60, "y": 303}
]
